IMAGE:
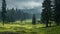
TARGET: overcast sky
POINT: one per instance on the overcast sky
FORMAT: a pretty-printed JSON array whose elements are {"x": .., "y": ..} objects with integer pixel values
[{"x": 22, "y": 4}]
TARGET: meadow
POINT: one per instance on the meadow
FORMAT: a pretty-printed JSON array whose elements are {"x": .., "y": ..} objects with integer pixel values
[{"x": 27, "y": 28}]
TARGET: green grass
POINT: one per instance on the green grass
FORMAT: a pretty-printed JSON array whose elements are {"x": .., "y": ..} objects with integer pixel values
[{"x": 28, "y": 28}]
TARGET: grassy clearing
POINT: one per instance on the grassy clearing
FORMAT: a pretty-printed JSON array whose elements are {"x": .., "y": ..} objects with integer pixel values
[{"x": 28, "y": 28}]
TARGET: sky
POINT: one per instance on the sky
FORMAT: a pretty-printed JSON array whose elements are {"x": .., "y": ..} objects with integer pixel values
[{"x": 23, "y": 4}]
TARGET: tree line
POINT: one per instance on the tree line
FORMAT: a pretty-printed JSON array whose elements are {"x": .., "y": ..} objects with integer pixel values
[
  {"x": 11, "y": 15},
  {"x": 15, "y": 15},
  {"x": 50, "y": 12}
]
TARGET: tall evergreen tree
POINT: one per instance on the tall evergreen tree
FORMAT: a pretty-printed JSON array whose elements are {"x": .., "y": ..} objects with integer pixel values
[
  {"x": 12, "y": 15},
  {"x": 3, "y": 11},
  {"x": 57, "y": 12},
  {"x": 34, "y": 19},
  {"x": 46, "y": 14}
]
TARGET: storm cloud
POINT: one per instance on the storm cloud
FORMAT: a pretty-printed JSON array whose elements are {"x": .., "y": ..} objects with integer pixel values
[{"x": 22, "y": 4}]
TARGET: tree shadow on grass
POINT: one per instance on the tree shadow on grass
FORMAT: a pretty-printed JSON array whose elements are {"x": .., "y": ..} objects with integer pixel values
[
  {"x": 49, "y": 26},
  {"x": 8, "y": 32}
]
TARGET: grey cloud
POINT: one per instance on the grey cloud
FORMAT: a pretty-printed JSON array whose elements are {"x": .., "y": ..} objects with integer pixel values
[{"x": 22, "y": 3}]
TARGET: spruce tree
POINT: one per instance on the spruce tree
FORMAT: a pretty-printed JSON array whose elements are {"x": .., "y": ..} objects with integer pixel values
[
  {"x": 34, "y": 19},
  {"x": 57, "y": 11},
  {"x": 46, "y": 12},
  {"x": 12, "y": 15},
  {"x": 3, "y": 11}
]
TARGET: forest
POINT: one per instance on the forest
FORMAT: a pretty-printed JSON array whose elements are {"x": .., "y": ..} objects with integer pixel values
[{"x": 44, "y": 19}]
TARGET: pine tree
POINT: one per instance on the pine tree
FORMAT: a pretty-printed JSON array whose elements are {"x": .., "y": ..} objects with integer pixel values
[
  {"x": 46, "y": 14},
  {"x": 3, "y": 11},
  {"x": 57, "y": 12},
  {"x": 34, "y": 19},
  {"x": 12, "y": 15}
]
